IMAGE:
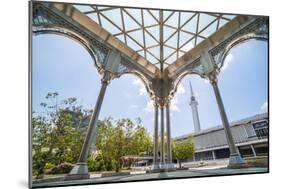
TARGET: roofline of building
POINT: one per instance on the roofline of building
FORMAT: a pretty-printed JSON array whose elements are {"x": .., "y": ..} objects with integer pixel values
[
  {"x": 258, "y": 141},
  {"x": 247, "y": 120}
]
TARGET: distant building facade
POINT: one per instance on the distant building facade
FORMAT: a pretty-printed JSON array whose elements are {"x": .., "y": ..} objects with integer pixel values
[{"x": 250, "y": 136}]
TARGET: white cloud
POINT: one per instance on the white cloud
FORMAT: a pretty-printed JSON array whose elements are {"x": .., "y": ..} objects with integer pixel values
[
  {"x": 142, "y": 90},
  {"x": 264, "y": 106},
  {"x": 206, "y": 81},
  {"x": 149, "y": 107},
  {"x": 227, "y": 61},
  {"x": 174, "y": 102},
  {"x": 180, "y": 90}
]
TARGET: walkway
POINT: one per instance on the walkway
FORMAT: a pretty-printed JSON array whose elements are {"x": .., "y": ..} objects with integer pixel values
[{"x": 155, "y": 176}]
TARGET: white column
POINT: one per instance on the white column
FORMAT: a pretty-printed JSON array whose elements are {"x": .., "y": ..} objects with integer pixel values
[
  {"x": 214, "y": 155},
  {"x": 254, "y": 151},
  {"x": 155, "y": 149},
  {"x": 162, "y": 160},
  {"x": 235, "y": 160},
  {"x": 169, "y": 148},
  {"x": 80, "y": 170}
]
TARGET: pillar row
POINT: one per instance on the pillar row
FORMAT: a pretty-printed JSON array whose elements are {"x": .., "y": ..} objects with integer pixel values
[{"x": 162, "y": 104}]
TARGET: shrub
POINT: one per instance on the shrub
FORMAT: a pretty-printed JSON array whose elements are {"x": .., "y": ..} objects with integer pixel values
[
  {"x": 92, "y": 165},
  {"x": 49, "y": 166},
  {"x": 61, "y": 168},
  {"x": 113, "y": 164}
]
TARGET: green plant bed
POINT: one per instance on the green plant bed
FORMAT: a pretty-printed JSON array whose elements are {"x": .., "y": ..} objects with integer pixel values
[{"x": 61, "y": 168}]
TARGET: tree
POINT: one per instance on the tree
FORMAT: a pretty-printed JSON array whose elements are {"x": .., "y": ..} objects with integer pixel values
[
  {"x": 125, "y": 138},
  {"x": 57, "y": 134},
  {"x": 41, "y": 150},
  {"x": 183, "y": 149}
]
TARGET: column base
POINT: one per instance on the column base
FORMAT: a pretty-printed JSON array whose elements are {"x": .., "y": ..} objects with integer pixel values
[
  {"x": 167, "y": 166},
  {"x": 79, "y": 171},
  {"x": 236, "y": 162},
  {"x": 154, "y": 169},
  {"x": 162, "y": 167},
  {"x": 170, "y": 167},
  {"x": 155, "y": 166}
]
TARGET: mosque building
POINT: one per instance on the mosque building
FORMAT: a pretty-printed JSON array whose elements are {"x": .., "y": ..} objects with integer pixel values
[{"x": 250, "y": 136}]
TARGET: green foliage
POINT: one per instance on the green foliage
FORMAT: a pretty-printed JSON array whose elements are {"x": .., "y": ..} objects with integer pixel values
[
  {"x": 123, "y": 139},
  {"x": 59, "y": 133},
  {"x": 92, "y": 164},
  {"x": 62, "y": 168},
  {"x": 49, "y": 165},
  {"x": 183, "y": 149}
]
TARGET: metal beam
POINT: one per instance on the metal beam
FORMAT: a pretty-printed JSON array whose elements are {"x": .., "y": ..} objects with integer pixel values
[
  {"x": 218, "y": 37},
  {"x": 161, "y": 23}
]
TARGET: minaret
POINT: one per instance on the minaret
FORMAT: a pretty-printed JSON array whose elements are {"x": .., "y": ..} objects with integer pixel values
[{"x": 193, "y": 103}]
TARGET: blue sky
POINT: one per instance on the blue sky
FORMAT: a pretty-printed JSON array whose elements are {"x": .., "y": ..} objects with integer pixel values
[{"x": 64, "y": 66}]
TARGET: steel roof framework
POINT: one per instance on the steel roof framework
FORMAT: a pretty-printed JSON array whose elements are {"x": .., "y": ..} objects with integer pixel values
[{"x": 160, "y": 36}]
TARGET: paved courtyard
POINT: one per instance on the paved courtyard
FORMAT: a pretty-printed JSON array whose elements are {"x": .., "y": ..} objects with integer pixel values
[{"x": 155, "y": 176}]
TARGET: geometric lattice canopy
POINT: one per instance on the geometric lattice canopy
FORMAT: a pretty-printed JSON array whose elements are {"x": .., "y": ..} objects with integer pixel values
[{"x": 161, "y": 37}]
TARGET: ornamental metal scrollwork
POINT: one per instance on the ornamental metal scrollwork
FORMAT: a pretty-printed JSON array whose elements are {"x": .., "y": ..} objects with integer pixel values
[
  {"x": 256, "y": 29},
  {"x": 126, "y": 67},
  {"x": 195, "y": 67}
]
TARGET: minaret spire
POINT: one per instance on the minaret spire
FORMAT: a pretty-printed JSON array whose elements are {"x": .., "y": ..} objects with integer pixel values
[
  {"x": 193, "y": 103},
  {"x": 191, "y": 90}
]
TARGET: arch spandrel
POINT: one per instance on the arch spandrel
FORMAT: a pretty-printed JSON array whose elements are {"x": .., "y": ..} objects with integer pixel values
[
  {"x": 255, "y": 28},
  {"x": 125, "y": 67},
  {"x": 220, "y": 58}
]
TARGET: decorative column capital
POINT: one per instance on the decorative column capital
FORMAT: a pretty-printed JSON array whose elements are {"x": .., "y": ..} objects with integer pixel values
[
  {"x": 155, "y": 103},
  {"x": 162, "y": 102},
  {"x": 167, "y": 101},
  {"x": 106, "y": 77},
  {"x": 212, "y": 77}
]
